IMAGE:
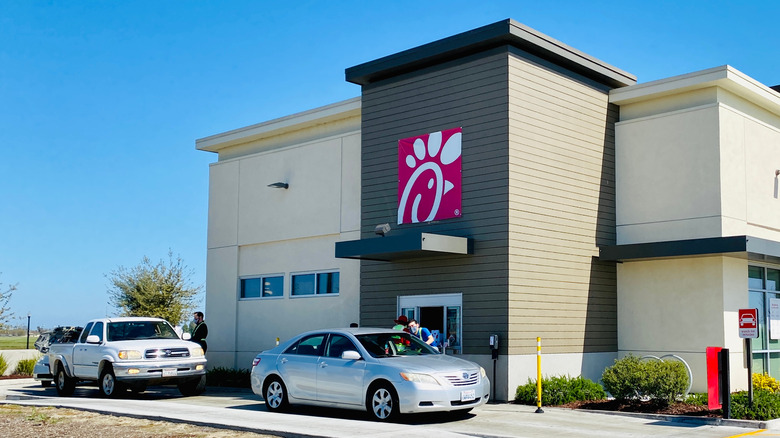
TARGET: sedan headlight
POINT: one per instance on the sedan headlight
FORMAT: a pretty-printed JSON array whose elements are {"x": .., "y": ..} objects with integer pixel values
[
  {"x": 130, "y": 354},
  {"x": 196, "y": 352},
  {"x": 420, "y": 378},
  {"x": 482, "y": 372}
]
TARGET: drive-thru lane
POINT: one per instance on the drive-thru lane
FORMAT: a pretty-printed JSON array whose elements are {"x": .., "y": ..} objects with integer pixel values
[{"x": 240, "y": 409}]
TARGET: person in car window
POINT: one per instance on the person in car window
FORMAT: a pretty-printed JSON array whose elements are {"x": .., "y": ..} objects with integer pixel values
[{"x": 200, "y": 331}]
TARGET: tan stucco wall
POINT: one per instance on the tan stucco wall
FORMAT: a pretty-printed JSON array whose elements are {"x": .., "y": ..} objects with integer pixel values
[
  {"x": 256, "y": 230},
  {"x": 681, "y": 307}
]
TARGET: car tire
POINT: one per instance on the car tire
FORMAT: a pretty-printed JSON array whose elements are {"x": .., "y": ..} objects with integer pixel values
[
  {"x": 192, "y": 387},
  {"x": 382, "y": 402},
  {"x": 64, "y": 384},
  {"x": 109, "y": 387},
  {"x": 275, "y": 395}
]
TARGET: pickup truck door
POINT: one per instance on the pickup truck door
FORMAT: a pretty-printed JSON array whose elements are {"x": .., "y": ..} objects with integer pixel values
[{"x": 86, "y": 357}]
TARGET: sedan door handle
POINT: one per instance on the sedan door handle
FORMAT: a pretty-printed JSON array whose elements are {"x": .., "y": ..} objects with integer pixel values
[
  {"x": 323, "y": 364},
  {"x": 283, "y": 360}
]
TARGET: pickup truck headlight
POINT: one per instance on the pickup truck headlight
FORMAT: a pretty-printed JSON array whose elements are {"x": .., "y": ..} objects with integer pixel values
[
  {"x": 420, "y": 378},
  {"x": 196, "y": 352},
  {"x": 130, "y": 354}
]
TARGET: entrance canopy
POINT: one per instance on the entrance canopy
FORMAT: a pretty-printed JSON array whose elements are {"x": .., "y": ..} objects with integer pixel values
[{"x": 404, "y": 246}]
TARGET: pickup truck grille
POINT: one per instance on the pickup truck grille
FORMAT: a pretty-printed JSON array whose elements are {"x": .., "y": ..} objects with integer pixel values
[{"x": 157, "y": 353}]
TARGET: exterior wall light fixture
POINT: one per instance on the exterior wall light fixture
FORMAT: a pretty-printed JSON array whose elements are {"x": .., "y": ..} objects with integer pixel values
[
  {"x": 279, "y": 185},
  {"x": 382, "y": 229}
]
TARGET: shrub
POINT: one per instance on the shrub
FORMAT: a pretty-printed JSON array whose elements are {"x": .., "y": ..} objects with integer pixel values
[
  {"x": 667, "y": 380},
  {"x": 631, "y": 377},
  {"x": 560, "y": 390},
  {"x": 25, "y": 367},
  {"x": 766, "y": 405},
  {"x": 3, "y": 365},
  {"x": 228, "y": 377},
  {"x": 699, "y": 399},
  {"x": 765, "y": 382},
  {"x": 625, "y": 379}
]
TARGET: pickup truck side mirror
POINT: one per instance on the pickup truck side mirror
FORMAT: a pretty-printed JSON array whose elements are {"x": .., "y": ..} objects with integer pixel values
[
  {"x": 186, "y": 336},
  {"x": 93, "y": 339}
]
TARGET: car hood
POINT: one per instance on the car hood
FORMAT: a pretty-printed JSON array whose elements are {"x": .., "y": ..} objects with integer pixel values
[
  {"x": 432, "y": 363},
  {"x": 145, "y": 344}
]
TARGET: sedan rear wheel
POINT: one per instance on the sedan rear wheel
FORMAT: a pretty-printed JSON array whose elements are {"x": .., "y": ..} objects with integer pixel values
[
  {"x": 382, "y": 402},
  {"x": 275, "y": 395}
]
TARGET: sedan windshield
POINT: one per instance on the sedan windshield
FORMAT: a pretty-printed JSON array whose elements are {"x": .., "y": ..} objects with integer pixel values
[
  {"x": 394, "y": 344},
  {"x": 133, "y": 330}
]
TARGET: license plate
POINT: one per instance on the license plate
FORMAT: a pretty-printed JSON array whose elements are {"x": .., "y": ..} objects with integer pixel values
[
  {"x": 468, "y": 395},
  {"x": 171, "y": 372}
]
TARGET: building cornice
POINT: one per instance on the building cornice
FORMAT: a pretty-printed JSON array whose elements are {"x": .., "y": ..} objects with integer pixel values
[{"x": 506, "y": 32}]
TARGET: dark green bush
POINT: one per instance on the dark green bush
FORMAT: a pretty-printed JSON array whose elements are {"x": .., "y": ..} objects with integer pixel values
[
  {"x": 766, "y": 405},
  {"x": 660, "y": 380},
  {"x": 667, "y": 380},
  {"x": 698, "y": 398},
  {"x": 228, "y": 377},
  {"x": 3, "y": 364},
  {"x": 25, "y": 367},
  {"x": 560, "y": 390},
  {"x": 626, "y": 378}
]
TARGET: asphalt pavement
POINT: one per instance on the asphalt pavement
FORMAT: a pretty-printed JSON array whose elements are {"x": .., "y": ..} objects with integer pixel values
[{"x": 240, "y": 409}]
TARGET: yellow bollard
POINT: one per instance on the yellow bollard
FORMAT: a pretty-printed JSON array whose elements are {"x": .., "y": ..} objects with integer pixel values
[
  {"x": 277, "y": 341},
  {"x": 539, "y": 376}
]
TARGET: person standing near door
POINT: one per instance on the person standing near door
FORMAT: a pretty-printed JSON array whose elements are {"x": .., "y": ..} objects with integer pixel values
[{"x": 422, "y": 333}]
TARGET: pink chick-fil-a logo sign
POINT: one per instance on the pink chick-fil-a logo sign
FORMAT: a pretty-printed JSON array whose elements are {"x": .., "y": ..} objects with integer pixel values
[{"x": 429, "y": 186}]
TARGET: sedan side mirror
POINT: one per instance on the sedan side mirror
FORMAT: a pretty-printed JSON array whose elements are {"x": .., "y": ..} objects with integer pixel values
[
  {"x": 186, "y": 336},
  {"x": 351, "y": 355}
]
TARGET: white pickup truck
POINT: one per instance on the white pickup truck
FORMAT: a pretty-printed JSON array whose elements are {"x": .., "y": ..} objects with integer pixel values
[{"x": 128, "y": 353}]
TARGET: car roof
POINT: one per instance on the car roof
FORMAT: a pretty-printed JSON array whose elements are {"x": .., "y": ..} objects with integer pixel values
[
  {"x": 127, "y": 319},
  {"x": 354, "y": 330}
]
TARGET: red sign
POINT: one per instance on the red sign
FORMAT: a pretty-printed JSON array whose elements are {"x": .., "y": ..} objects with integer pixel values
[
  {"x": 429, "y": 177},
  {"x": 748, "y": 323}
]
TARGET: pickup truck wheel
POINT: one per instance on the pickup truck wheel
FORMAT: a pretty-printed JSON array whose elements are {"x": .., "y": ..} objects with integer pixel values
[
  {"x": 194, "y": 386},
  {"x": 109, "y": 387},
  {"x": 64, "y": 384}
]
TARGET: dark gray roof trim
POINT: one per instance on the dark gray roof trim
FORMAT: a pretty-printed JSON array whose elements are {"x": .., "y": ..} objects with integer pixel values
[
  {"x": 691, "y": 247},
  {"x": 405, "y": 246},
  {"x": 484, "y": 38}
]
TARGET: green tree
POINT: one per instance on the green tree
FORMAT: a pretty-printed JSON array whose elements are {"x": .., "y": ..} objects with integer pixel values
[
  {"x": 5, "y": 309},
  {"x": 162, "y": 290}
]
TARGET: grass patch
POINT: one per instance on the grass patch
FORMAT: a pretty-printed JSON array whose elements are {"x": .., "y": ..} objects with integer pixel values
[{"x": 15, "y": 342}]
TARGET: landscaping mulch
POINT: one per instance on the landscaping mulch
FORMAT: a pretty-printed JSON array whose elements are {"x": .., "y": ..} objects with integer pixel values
[{"x": 645, "y": 407}]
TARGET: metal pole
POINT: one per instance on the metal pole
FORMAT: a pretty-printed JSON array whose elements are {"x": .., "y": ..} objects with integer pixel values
[
  {"x": 725, "y": 383},
  {"x": 28, "y": 330},
  {"x": 749, "y": 354},
  {"x": 539, "y": 376}
]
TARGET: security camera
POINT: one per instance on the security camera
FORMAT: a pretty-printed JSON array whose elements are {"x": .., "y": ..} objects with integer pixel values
[{"x": 382, "y": 229}]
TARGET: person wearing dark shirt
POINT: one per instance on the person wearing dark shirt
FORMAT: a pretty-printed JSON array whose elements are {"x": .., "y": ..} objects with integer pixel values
[{"x": 200, "y": 331}]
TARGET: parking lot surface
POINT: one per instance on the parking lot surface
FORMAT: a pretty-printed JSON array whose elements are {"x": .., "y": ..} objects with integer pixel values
[{"x": 240, "y": 409}]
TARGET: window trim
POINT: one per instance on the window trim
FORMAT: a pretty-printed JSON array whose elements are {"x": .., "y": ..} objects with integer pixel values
[
  {"x": 261, "y": 277},
  {"x": 316, "y": 283}
]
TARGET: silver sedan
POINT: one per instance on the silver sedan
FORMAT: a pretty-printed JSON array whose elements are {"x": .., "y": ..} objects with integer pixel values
[{"x": 385, "y": 372}]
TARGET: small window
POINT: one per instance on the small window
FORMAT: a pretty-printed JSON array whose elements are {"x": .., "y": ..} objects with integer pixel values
[
  {"x": 85, "y": 333},
  {"x": 97, "y": 330},
  {"x": 310, "y": 346},
  {"x": 339, "y": 344},
  {"x": 322, "y": 283},
  {"x": 262, "y": 287}
]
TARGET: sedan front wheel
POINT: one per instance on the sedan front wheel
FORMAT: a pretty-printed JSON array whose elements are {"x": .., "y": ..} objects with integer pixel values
[{"x": 382, "y": 402}]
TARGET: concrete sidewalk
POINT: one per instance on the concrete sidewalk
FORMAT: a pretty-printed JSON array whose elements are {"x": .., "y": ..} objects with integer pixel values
[{"x": 242, "y": 410}]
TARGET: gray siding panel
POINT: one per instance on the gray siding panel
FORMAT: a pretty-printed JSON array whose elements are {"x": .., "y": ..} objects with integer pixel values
[
  {"x": 538, "y": 198},
  {"x": 469, "y": 93},
  {"x": 562, "y": 206}
]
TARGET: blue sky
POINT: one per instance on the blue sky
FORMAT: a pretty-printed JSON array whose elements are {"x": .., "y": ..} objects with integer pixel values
[{"x": 101, "y": 103}]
